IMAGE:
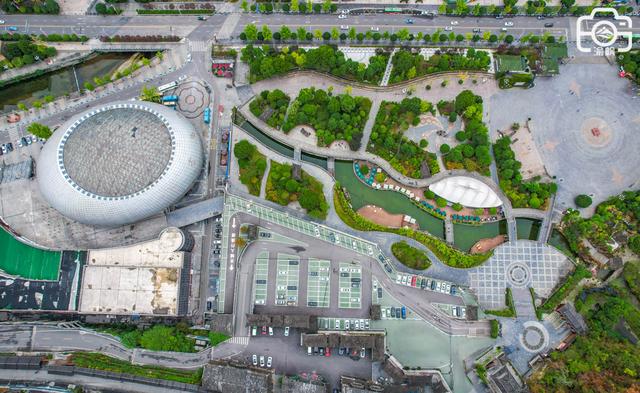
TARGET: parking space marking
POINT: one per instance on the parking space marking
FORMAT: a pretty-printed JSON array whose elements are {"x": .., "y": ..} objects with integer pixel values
[
  {"x": 318, "y": 283},
  {"x": 287, "y": 281},
  {"x": 350, "y": 285},
  {"x": 262, "y": 274}
]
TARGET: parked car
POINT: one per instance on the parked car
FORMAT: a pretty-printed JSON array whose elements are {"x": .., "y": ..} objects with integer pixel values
[
  {"x": 255, "y": 360},
  {"x": 423, "y": 283},
  {"x": 337, "y": 324},
  {"x": 270, "y": 331},
  {"x": 476, "y": 30},
  {"x": 366, "y": 324},
  {"x": 375, "y": 28},
  {"x": 453, "y": 289},
  {"x": 342, "y": 16},
  {"x": 398, "y": 314},
  {"x": 448, "y": 28},
  {"x": 404, "y": 312},
  {"x": 12, "y": 28},
  {"x": 309, "y": 351},
  {"x": 346, "y": 324},
  {"x": 321, "y": 351},
  {"x": 454, "y": 23},
  {"x": 362, "y": 324},
  {"x": 363, "y": 353},
  {"x": 261, "y": 361},
  {"x": 357, "y": 324},
  {"x": 344, "y": 27},
  {"x": 264, "y": 330},
  {"x": 413, "y": 281},
  {"x": 269, "y": 359},
  {"x": 341, "y": 351},
  {"x": 393, "y": 312},
  {"x": 409, "y": 21},
  {"x": 327, "y": 352},
  {"x": 254, "y": 330},
  {"x": 438, "y": 286},
  {"x": 286, "y": 331}
]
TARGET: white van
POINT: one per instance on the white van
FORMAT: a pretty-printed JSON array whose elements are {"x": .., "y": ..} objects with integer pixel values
[{"x": 309, "y": 351}]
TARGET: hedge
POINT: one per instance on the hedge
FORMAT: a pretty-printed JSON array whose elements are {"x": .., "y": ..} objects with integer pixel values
[
  {"x": 445, "y": 253},
  {"x": 509, "y": 311},
  {"x": 410, "y": 256},
  {"x": 495, "y": 328}
]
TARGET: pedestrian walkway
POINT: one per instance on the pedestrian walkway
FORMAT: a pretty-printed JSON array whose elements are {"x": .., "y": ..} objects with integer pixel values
[
  {"x": 387, "y": 71},
  {"x": 199, "y": 46},
  {"x": 523, "y": 303},
  {"x": 239, "y": 340},
  {"x": 263, "y": 184},
  {"x": 227, "y": 28},
  {"x": 371, "y": 121}
]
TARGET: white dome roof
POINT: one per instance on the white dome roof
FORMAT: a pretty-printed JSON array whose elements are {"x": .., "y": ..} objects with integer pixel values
[
  {"x": 119, "y": 163},
  {"x": 466, "y": 191}
]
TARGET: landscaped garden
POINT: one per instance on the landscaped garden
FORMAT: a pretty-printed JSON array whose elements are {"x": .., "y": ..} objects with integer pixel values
[
  {"x": 268, "y": 62},
  {"x": 410, "y": 256},
  {"x": 473, "y": 152},
  {"x": 630, "y": 63},
  {"x": 271, "y": 107},
  {"x": 251, "y": 164},
  {"x": 605, "y": 359},
  {"x": 447, "y": 254},
  {"x": 333, "y": 117},
  {"x": 24, "y": 52},
  {"x": 388, "y": 141},
  {"x": 283, "y": 188},
  {"x": 531, "y": 193},
  {"x": 613, "y": 227},
  {"x": 408, "y": 65}
]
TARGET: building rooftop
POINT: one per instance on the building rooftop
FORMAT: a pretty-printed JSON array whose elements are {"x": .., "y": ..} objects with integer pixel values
[
  {"x": 236, "y": 378},
  {"x": 467, "y": 191},
  {"x": 116, "y": 152},
  {"x": 574, "y": 319},
  {"x": 119, "y": 163},
  {"x": 141, "y": 279}
]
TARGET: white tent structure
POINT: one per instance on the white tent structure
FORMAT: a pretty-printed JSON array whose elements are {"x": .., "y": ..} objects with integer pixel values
[{"x": 466, "y": 191}]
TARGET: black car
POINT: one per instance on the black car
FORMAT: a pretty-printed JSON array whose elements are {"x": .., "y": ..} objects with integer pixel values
[
  {"x": 433, "y": 285},
  {"x": 393, "y": 312},
  {"x": 423, "y": 284},
  {"x": 9, "y": 146},
  {"x": 548, "y": 25},
  {"x": 398, "y": 312}
]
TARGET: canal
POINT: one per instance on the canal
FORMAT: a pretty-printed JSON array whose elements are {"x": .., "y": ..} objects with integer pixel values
[
  {"x": 62, "y": 81},
  {"x": 528, "y": 228},
  {"x": 465, "y": 236}
]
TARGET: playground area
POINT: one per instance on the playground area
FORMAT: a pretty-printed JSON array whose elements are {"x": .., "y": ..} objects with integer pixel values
[{"x": 19, "y": 259}]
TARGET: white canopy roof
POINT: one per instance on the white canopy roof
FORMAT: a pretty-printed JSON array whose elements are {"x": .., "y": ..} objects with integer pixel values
[{"x": 466, "y": 191}]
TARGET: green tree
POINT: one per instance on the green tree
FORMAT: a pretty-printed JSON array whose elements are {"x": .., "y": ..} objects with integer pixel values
[
  {"x": 89, "y": 86},
  {"x": 285, "y": 33},
  {"x": 243, "y": 150},
  {"x": 441, "y": 202},
  {"x": 335, "y": 33},
  {"x": 39, "y": 130},
  {"x": 444, "y": 148},
  {"x": 326, "y": 6},
  {"x": 295, "y": 7},
  {"x": 251, "y": 31},
  {"x": 245, "y": 6},
  {"x": 583, "y": 201},
  {"x": 150, "y": 94},
  {"x": 266, "y": 33}
]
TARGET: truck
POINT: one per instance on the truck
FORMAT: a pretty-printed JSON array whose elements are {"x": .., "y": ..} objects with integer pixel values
[{"x": 207, "y": 116}]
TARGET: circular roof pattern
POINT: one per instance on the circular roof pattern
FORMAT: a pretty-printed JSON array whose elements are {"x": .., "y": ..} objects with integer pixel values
[
  {"x": 116, "y": 152},
  {"x": 119, "y": 163}
]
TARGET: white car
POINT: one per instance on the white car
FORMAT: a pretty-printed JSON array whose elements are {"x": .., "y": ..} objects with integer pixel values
[
  {"x": 254, "y": 331},
  {"x": 362, "y": 324},
  {"x": 261, "y": 361},
  {"x": 337, "y": 324},
  {"x": 454, "y": 23},
  {"x": 438, "y": 286},
  {"x": 448, "y": 28},
  {"x": 270, "y": 331},
  {"x": 508, "y": 24},
  {"x": 255, "y": 360},
  {"x": 342, "y": 16},
  {"x": 317, "y": 230},
  {"x": 1, "y": 22},
  {"x": 374, "y": 28},
  {"x": 343, "y": 27},
  {"x": 346, "y": 324},
  {"x": 269, "y": 361},
  {"x": 286, "y": 331}
]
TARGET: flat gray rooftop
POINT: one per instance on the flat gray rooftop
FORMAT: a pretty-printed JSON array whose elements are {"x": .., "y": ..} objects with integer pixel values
[{"x": 117, "y": 152}]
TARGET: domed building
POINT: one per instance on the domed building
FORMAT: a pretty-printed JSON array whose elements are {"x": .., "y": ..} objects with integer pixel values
[{"x": 120, "y": 163}]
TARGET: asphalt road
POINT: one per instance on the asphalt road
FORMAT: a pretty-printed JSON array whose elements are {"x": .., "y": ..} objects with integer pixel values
[{"x": 94, "y": 26}]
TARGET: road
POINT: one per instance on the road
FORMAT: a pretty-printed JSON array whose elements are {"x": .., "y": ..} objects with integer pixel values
[
  {"x": 51, "y": 338},
  {"x": 95, "y": 26}
]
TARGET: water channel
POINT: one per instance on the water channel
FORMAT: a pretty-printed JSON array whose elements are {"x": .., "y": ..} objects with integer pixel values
[
  {"x": 63, "y": 81},
  {"x": 528, "y": 228}
]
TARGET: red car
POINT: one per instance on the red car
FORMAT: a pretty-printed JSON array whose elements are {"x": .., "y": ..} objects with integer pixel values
[
  {"x": 264, "y": 330},
  {"x": 327, "y": 352},
  {"x": 413, "y": 281}
]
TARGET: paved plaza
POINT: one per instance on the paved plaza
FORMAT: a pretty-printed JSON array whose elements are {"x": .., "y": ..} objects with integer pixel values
[{"x": 519, "y": 264}]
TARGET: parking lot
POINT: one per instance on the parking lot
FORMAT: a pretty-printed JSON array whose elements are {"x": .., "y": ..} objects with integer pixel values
[
  {"x": 318, "y": 283},
  {"x": 350, "y": 285},
  {"x": 262, "y": 277},
  {"x": 287, "y": 280}
]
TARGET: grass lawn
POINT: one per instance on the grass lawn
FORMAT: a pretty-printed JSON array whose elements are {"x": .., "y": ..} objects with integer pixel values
[{"x": 99, "y": 361}]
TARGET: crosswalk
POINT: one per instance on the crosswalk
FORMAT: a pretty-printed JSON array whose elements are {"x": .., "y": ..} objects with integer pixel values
[
  {"x": 239, "y": 340},
  {"x": 199, "y": 46}
]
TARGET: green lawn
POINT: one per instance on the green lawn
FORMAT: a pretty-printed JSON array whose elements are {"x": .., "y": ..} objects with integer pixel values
[
  {"x": 99, "y": 361},
  {"x": 19, "y": 259}
]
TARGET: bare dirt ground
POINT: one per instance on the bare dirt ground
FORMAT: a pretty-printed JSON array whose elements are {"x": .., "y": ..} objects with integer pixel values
[
  {"x": 73, "y": 7},
  {"x": 380, "y": 216},
  {"x": 527, "y": 152},
  {"x": 488, "y": 244},
  {"x": 297, "y": 134}
]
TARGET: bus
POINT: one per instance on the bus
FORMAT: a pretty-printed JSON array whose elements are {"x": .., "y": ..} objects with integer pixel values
[
  {"x": 168, "y": 86},
  {"x": 392, "y": 10},
  {"x": 207, "y": 115},
  {"x": 170, "y": 104},
  {"x": 169, "y": 98}
]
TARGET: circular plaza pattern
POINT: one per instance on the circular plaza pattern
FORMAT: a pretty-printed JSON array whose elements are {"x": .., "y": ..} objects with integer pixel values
[
  {"x": 518, "y": 274},
  {"x": 193, "y": 98},
  {"x": 534, "y": 337},
  {"x": 596, "y": 132},
  {"x": 119, "y": 163}
]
